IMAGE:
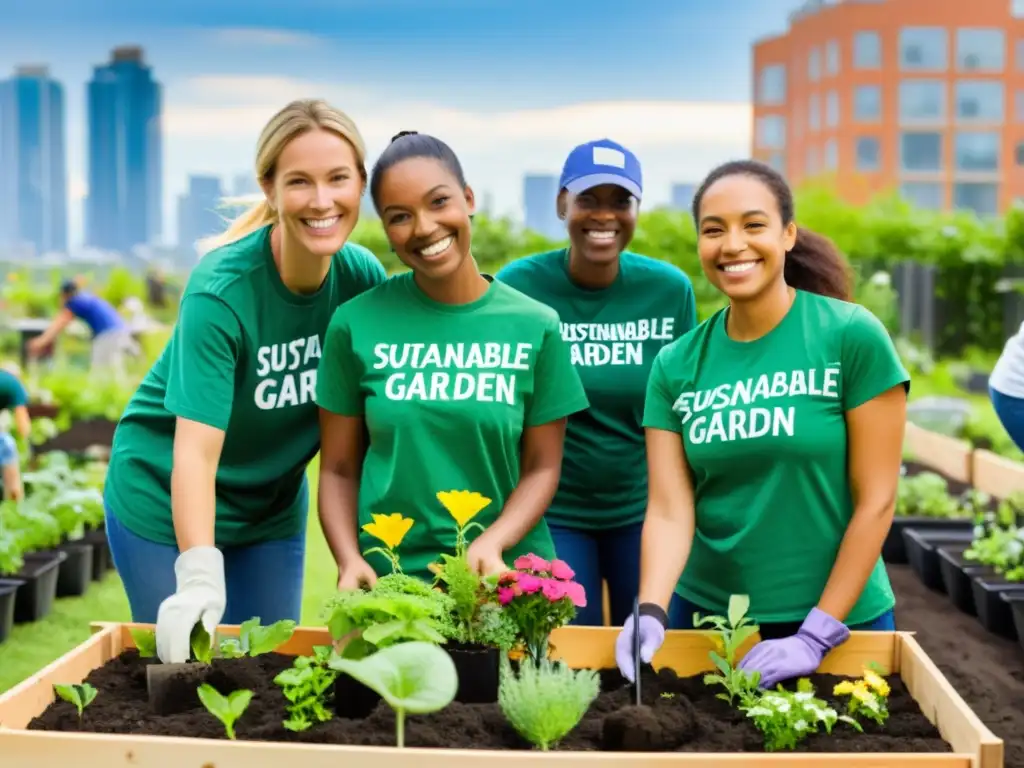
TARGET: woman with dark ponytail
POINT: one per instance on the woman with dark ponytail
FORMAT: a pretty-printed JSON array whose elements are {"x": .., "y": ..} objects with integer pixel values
[
  {"x": 774, "y": 441},
  {"x": 443, "y": 394}
]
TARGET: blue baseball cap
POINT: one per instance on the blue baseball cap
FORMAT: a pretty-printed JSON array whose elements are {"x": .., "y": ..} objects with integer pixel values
[{"x": 601, "y": 162}]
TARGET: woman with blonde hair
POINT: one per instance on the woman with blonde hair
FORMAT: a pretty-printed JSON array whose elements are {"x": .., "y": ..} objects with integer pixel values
[{"x": 206, "y": 494}]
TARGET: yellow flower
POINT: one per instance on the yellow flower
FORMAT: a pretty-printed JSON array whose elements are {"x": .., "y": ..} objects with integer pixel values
[
  {"x": 861, "y": 692},
  {"x": 843, "y": 688},
  {"x": 390, "y": 529},
  {"x": 877, "y": 682},
  {"x": 462, "y": 505}
]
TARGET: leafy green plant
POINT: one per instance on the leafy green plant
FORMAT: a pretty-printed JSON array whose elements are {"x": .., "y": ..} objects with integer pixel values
[
  {"x": 228, "y": 708},
  {"x": 788, "y": 717},
  {"x": 80, "y": 695},
  {"x": 305, "y": 686},
  {"x": 475, "y": 616},
  {"x": 734, "y": 630},
  {"x": 926, "y": 495},
  {"x": 868, "y": 697},
  {"x": 546, "y": 699},
  {"x": 254, "y": 639},
  {"x": 145, "y": 642},
  {"x": 413, "y": 677}
]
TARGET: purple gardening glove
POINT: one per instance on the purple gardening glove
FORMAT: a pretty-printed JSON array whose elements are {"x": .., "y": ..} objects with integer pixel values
[
  {"x": 652, "y": 635},
  {"x": 797, "y": 655}
]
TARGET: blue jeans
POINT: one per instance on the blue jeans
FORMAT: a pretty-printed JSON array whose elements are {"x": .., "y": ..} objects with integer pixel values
[
  {"x": 884, "y": 623},
  {"x": 1010, "y": 411},
  {"x": 262, "y": 579},
  {"x": 8, "y": 450},
  {"x": 609, "y": 554}
]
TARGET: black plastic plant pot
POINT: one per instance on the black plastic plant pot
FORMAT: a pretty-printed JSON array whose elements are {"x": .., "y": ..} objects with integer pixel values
[
  {"x": 956, "y": 577},
  {"x": 75, "y": 573},
  {"x": 1015, "y": 601},
  {"x": 894, "y": 551},
  {"x": 101, "y": 561},
  {"x": 8, "y": 596},
  {"x": 34, "y": 599},
  {"x": 921, "y": 547},
  {"x": 352, "y": 699},
  {"x": 479, "y": 671},
  {"x": 994, "y": 613}
]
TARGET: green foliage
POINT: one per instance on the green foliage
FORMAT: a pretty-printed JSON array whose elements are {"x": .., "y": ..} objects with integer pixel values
[
  {"x": 546, "y": 699},
  {"x": 734, "y": 630},
  {"x": 788, "y": 717},
  {"x": 78, "y": 694},
  {"x": 254, "y": 639},
  {"x": 306, "y": 686},
  {"x": 228, "y": 708},
  {"x": 413, "y": 677},
  {"x": 145, "y": 642},
  {"x": 475, "y": 617}
]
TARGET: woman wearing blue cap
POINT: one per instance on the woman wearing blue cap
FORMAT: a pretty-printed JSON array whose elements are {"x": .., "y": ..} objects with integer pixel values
[{"x": 617, "y": 309}]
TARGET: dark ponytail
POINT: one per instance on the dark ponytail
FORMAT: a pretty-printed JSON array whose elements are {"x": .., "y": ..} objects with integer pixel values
[
  {"x": 406, "y": 145},
  {"x": 814, "y": 264}
]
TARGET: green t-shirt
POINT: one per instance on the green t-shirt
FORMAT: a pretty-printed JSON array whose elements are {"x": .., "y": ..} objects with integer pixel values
[
  {"x": 764, "y": 429},
  {"x": 613, "y": 335},
  {"x": 242, "y": 358},
  {"x": 446, "y": 392},
  {"x": 12, "y": 392}
]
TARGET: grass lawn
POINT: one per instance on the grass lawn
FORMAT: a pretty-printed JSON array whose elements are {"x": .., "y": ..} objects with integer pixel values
[{"x": 32, "y": 646}]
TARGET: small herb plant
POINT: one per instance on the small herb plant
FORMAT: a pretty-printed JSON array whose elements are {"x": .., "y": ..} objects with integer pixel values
[
  {"x": 868, "y": 697},
  {"x": 80, "y": 695},
  {"x": 306, "y": 686},
  {"x": 735, "y": 629},
  {"x": 788, "y": 717},
  {"x": 413, "y": 678},
  {"x": 546, "y": 700},
  {"x": 228, "y": 708},
  {"x": 540, "y": 597},
  {"x": 254, "y": 639},
  {"x": 475, "y": 618},
  {"x": 145, "y": 642}
]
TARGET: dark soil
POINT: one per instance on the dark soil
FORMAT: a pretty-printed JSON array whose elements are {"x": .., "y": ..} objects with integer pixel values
[
  {"x": 688, "y": 719},
  {"x": 986, "y": 670},
  {"x": 81, "y": 436}
]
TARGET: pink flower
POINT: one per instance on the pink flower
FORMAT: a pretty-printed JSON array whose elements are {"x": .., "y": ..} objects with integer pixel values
[
  {"x": 531, "y": 562},
  {"x": 553, "y": 590},
  {"x": 561, "y": 570},
  {"x": 529, "y": 583},
  {"x": 505, "y": 595},
  {"x": 576, "y": 593}
]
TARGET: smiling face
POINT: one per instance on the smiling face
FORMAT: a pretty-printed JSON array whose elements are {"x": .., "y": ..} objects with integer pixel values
[
  {"x": 742, "y": 241},
  {"x": 316, "y": 191},
  {"x": 425, "y": 213},
  {"x": 601, "y": 222}
]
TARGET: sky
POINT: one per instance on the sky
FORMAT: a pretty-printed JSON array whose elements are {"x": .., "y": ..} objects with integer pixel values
[{"x": 511, "y": 85}]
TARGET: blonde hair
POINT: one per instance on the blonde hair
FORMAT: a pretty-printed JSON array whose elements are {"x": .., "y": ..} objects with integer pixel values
[{"x": 295, "y": 119}]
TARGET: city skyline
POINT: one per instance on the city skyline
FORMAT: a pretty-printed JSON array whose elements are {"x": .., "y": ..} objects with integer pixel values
[{"x": 511, "y": 104}]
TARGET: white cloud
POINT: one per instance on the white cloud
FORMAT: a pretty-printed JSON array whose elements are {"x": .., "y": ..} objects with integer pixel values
[{"x": 263, "y": 38}]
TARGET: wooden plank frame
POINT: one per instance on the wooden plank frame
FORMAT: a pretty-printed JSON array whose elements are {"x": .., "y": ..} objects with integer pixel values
[
  {"x": 974, "y": 745},
  {"x": 997, "y": 475},
  {"x": 947, "y": 455}
]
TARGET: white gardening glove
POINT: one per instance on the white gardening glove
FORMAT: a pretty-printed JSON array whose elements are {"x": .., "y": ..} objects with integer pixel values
[{"x": 200, "y": 595}]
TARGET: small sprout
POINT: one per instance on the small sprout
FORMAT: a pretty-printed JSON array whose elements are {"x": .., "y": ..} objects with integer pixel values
[
  {"x": 227, "y": 709},
  {"x": 145, "y": 642},
  {"x": 667, "y": 695},
  {"x": 81, "y": 695},
  {"x": 202, "y": 644}
]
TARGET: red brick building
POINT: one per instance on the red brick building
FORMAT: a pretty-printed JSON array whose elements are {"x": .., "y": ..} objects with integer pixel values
[{"x": 926, "y": 96}]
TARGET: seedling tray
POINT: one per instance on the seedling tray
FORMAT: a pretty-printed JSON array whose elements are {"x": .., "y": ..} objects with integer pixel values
[
  {"x": 956, "y": 577},
  {"x": 894, "y": 550},
  {"x": 686, "y": 652},
  {"x": 921, "y": 544}
]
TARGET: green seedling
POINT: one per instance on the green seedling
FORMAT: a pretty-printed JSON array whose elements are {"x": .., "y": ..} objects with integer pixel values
[
  {"x": 546, "y": 699},
  {"x": 415, "y": 677},
  {"x": 735, "y": 629},
  {"x": 306, "y": 686},
  {"x": 227, "y": 709},
  {"x": 79, "y": 694},
  {"x": 145, "y": 642},
  {"x": 254, "y": 639}
]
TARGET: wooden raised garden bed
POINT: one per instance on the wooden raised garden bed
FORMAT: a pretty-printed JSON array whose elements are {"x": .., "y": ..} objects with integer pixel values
[
  {"x": 947, "y": 455},
  {"x": 946, "y": 735},
  {"x": 997, "y": 475}
]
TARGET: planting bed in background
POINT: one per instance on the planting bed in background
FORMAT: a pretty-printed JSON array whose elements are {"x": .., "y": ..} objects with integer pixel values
[{"x": 681, "y": 714}]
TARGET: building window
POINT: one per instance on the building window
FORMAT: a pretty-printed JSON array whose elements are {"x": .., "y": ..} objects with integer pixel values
[
  {"x": 1019, "y": 154},
  {"x": 921, "y": 152},
  {"x": 814, "y": 65},
  {"x": 923, "y": 194},
  {"x": 832, "y": 58},
  {"x": 814, "y": 113},
  {"x": 812, "y": 160},
  {"x": 867, "y": 50},
  {"x": 777, "y": 160},
  {"x": 771, "y": 87},
  {"x": 980, "y": 50},
  {"x": 982, "y": 198},
  {"x": 977, "y": 151},
  {"x": 979, "y": 100},
  {"x": 868, "y": 152},
  {"x": 922, "y": 101},
  {"x": 771, "y": 132},
  {"x": 867, "y": 103},
  {"x": 1019, "y": 105},
  {"x": 831, "y": 155},
  {"x": 1020, "y": 55},
  {"x": 923, "y": 48},
  {"x": 1017, "y": 8},
  {"x": 832, "y": 109}
]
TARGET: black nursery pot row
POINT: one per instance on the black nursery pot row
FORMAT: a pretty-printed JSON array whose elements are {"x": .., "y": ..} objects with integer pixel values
[
  {"x": 478, "y": 668},
  {"x": 935, "y": 551},
  {"x": 65, "y": 571}
]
